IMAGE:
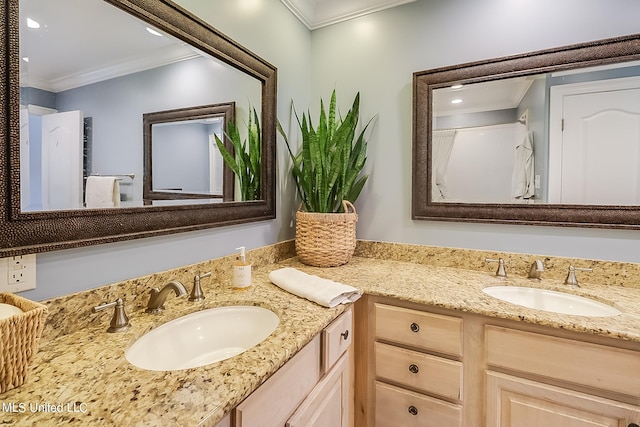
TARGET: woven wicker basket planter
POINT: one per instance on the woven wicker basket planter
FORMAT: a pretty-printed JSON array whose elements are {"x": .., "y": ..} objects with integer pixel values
[
  {"x": 19, "y": 336},
  {"x": 326, "y": 239}
]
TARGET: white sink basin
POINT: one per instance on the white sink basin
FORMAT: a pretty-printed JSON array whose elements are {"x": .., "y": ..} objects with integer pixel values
[
  {"x": 557, "y": 302},
  {"x": 202, "y": 338}
]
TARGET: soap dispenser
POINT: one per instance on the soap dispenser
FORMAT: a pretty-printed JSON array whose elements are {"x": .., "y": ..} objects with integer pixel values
[{"x": 241, "y": 270}]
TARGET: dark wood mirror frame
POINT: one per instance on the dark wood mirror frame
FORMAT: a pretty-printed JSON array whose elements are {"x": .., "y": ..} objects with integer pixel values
[
  {"x": 600, "y": 52},
  {"x": 32, "y": 232},
  {"x": 225, "y": 110}
]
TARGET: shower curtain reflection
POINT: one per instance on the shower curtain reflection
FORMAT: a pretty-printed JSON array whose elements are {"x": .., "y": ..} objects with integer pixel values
[
  {"x": 475, "y": 164},
  {"x": 442, "y": 147}
]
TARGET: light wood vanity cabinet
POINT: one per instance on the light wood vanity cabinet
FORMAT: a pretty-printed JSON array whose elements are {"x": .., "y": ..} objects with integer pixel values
[
  {"x": 312, "y": 389},
  {"x": 418, "y": 373},
  {"x": 460, "y": 369},
  {"x": 589, "y": 378}
]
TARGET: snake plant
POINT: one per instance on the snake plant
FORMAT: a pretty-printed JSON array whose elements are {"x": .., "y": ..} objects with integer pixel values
[
  {"x": 246, "y": 157},
  {"x": 327, "y": 168}
]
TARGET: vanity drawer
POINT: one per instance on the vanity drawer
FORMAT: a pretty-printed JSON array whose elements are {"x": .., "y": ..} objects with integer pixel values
[
  {"x": 280, "y": 395},
  {"x": 336, "y": 339},
  {"x": 593, "y": 365},
  {"x": 419, "y": 371},
  {"x": 419, "y": 329},
  {"x": 397, "y": 407}
]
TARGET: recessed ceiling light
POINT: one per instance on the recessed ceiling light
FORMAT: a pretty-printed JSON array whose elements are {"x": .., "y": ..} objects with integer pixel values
[
  {"x": 154, "y": 32},
  {"x": 32, "y": 23},
  {"x": 456, "y": 101},
  {"x": 458, "y": 86}
]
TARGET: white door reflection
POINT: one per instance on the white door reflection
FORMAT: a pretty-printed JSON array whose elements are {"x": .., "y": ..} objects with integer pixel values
[
  {"x": 598, "y": 121},
  {"x": 62, "y": 147}
]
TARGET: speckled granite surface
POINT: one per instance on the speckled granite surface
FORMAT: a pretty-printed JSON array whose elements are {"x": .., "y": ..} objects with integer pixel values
[
  {"x": 81, "y": 370},
  {"x": 607, "y": 273},
  {"x": 461, "y": 290},
  {"x": 87, "y": 371}
]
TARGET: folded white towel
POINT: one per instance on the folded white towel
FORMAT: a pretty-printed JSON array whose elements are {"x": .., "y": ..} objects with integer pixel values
[
  {"x": 102, "y": 192},
  {"x": 321, "y": 291}
]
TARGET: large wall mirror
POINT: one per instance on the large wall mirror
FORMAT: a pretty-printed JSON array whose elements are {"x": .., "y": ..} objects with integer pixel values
[
  {"x": 548, "y": 138},
  {"x": 78, "y": 80}
]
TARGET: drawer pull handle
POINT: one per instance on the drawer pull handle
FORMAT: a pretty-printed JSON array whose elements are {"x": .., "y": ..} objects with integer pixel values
[
  {"x": 415, "y": 327},
  {"x": 414, "y": 369},
  {"x": 413, "y": 410},
  {"x": 345, "y": 335}
]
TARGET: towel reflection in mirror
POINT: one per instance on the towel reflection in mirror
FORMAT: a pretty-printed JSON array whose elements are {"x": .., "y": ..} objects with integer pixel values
[
  {"x": 523, "y": 169},
  {"x": 102, "y": 192}
]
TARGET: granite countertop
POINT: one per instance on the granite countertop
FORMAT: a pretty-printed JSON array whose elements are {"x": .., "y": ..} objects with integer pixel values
[
  {"x": 83, "y": 376},
  {"x": 461, "y": 290}
]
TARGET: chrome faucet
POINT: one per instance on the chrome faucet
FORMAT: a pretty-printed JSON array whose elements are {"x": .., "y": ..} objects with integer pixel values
[
  {"x": 571, "y": 279},
  {"x": 158, "y": 296},
  {"x": 535, "y": 272}
]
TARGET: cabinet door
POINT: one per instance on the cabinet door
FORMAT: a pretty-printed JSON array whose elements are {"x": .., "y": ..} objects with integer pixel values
[
  {"x": 225, "y": 422},
  {"x": 329, "y": 402},
  {"x": 516, "y": 402}
]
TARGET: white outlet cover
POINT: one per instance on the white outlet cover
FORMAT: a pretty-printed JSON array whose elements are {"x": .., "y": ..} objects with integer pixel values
[{"x": 27, "y": 268}]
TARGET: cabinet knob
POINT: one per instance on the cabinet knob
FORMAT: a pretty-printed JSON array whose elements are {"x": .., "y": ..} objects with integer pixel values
[
  {"x": 414, "y": 369},
  {"x": 413, "y": 410},
  {"x": 415, "y": 327},
  {"x": 345, "y": 335}
]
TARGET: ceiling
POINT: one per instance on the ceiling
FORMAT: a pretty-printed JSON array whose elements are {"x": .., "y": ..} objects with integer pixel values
[
  {"x": 76, "y": 44},
  {"x": 320, "y": 13},
  {"x": 486, "y": 96},
  {"x": 93, "y": 52}
]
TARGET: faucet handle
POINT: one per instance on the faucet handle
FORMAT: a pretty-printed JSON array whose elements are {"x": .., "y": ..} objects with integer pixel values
[
  {"x": 500, "y": 272},
  {"x": 196, "y": 292},
  {"x": 571, "y": 279},
  {"x": 119, "y": 321},
  {"x": 535, "y": 272}
]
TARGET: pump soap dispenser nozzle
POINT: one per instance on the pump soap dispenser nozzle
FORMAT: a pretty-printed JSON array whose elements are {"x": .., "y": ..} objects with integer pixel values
[{"x": 241, "y": 270}]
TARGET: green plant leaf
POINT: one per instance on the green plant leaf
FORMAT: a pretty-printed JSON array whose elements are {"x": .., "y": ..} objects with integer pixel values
[
  {"x": 355, "y": 190},
  {"x": 332, "y": 115},
  {"x": 227, "y": 156},
  {"x": 255, "y": 156},
  {"x": 327, "y": 167},
  {"x": 245, "y": 161}
]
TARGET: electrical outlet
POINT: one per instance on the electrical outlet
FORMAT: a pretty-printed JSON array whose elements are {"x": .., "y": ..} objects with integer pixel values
[{"x": 18, "y": 273}]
